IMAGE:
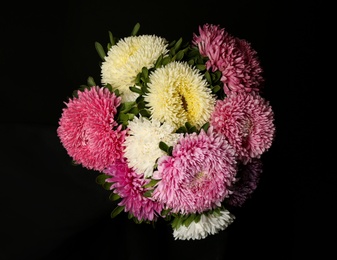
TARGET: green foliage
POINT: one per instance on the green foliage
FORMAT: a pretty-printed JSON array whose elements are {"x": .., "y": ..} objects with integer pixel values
[
  {"x": 114, "y": 197},
  {"x": 167, "y": 149},
  {"x": 135, "y": 29},
  {"x": 186, "y": 220},
  {"x": 116, "y": 211},
  {"x": 100, "y": 179},
  {"x": 100, "y": 50}
]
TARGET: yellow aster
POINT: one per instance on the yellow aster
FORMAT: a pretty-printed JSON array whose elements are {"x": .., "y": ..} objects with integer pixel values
[
  {"x": 127, "y": 58},
  {"x": 178, "y": 94}
]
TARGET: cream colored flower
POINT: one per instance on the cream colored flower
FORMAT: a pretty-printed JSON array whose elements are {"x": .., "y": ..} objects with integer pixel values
[
  {"x": 207, "y": 225},
  {"x": 142, "y": 143},
  {"x": 179, "y": 94},
  {"x": 127, "y": 58}
]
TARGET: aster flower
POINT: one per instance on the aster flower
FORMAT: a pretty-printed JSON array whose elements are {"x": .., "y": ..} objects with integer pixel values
[
  {"x": 209, "y": 224},
  {"x": 127, "y": 58},
  {"x": 247, "y": 179},
  {"x": 247, "y": 122},
  {"x": 142, "y": 143},
  {"x": 234, "y": 57},
  {"x": 88, "y": 131},
  {"x": 178, "y": 94},
  {"x": 130, "y": 187},
  {"x": 197, "y": 175}
]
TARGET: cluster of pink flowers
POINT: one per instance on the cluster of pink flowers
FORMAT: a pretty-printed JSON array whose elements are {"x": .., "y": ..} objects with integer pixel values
[{"x": 206, "y": 169}]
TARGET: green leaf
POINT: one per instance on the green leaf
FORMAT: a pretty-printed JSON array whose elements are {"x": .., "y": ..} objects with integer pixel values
[
  {"x": 123, "y": 117},
  {"x": 169, "y": 150},
  {"x": 109, "y": 87},
  {"x": 116, "y": 211},
  {"x": 189, "y": 220},
  {"x": 205, "y": 126},
  {"x": 188, "y": 125},
  {"x": 175, "y": 222},
  {"x": 193, "y": 129},
  {"x": 216, "y": 88},
  {"x": 151, "y": 183},
  {"x": 107, "y": 185},
  {"x": 114, "y": 196},
  {"x": 135, "y": 29},
  {"x": 145, "y": 72},
  {"x": 144, "y": 87},
  {"x": 163, "y": 146},
  {"x": 136, "y": 90},
  {"x": 144, "y": 113},
  {"x": 164, "y": 212},
  {"x": 134, "y": 111},
  {"x": 201, "y": 67},
  {"x": 179, "y": 56},
  {"x": 178, "y": 44},
  {"x": 148, "y": 193},
  {"x": 130, "y": 116},
  {"x": 197, "y": 218},
  {"x": 141, "y": 105},
  {"x": 112, "y": 39},
  {"x": 100, "y": 50},
  {"x": 91, "y": 82},
  {"x": 166, "y": 60},
  {"x": 100, "y": 179},
  {"x": 216, "y": 76},
  {"x": 181, "y": 129},
  {"x": 159, "y": 61},
  {"x": 116, "y": 91},
  {"x": 208, "y": 77},
  {"x": 137, "y": 80},
  {"x": 127, "y": 106}
]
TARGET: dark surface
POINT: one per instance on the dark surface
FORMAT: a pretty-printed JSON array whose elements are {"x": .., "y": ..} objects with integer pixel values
[{"x": 53, "y": 210}]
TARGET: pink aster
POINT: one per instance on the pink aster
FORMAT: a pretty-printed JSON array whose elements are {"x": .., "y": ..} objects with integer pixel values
[
  {"x": 233, "y": 57},
  {"x": 247, "y": 179},
  {"x": 129, "y": 185},
  {"x": 247, "y": 121},
  {"x": 197, "y": 175},
  {"x": 88, "y": 131}
]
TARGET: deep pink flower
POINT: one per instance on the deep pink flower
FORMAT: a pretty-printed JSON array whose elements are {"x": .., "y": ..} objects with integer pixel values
[
  {"x": 247, "y": 179},
  {"x": 88, "y": 131},
  {"x": 197, "y": 175},
  {"x": 247, "y": 121},
  {"x": 130, "y": 187},
  {"x": 233, "y": 57}
]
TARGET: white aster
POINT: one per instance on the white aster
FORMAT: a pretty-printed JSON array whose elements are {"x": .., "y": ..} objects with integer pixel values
[
  {"x": 142, "y": 143},
  {"x": 127, "y": 58},
  {"x": 178, "y": 93},
  {"x": 207, "y": 225}
]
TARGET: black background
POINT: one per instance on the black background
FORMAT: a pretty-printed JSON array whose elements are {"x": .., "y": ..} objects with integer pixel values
[{"x": 53, "y": 210}]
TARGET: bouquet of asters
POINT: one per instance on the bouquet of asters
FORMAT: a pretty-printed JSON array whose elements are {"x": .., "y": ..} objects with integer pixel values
[{"x": 175, "y": 130}]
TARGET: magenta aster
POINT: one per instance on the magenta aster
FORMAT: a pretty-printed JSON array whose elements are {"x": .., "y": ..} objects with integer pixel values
[
  {"x": 129, "y": 185},
  {"x": 233, "y": 57},
  {"x": 88, "y": 131},
  {"x": 246, "y": 119},
  {"x": 247, "y": 179},
  {"x": 197, "y": 175}
]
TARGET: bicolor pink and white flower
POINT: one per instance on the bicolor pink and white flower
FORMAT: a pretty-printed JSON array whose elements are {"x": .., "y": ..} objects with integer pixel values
[{"x": 197, "y": 175}]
